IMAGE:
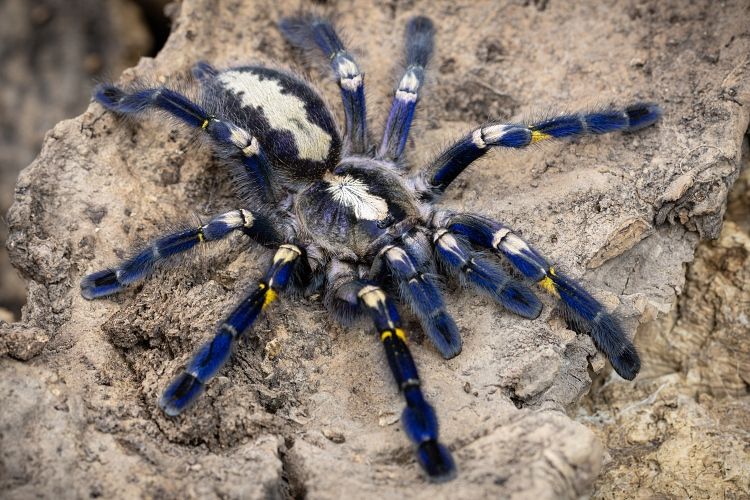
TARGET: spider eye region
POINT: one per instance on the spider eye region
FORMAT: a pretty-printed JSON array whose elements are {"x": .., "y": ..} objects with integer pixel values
[
  {"x": 353, "y": 194},
  {"x": 352, "y": 208}
]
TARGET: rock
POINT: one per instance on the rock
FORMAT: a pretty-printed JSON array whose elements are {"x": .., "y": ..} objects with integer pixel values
[
  {"x": 53, "y": 51},
  {"x": 22, "y": 343},
  {"x": 258, "y": 431},
  {"x": 687, "y": 417},
  {"x": 661, "y": 437}
]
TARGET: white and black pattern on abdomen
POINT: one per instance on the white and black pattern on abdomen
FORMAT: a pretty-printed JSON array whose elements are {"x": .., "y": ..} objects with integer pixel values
[{"x": 287, "y": 116}]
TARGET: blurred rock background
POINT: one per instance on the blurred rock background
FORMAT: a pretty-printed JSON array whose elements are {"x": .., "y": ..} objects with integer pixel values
[{"x": 52, "y": 52}]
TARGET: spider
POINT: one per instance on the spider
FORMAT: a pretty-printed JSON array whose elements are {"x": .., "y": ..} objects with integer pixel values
[{"x": 347, "y": 218}]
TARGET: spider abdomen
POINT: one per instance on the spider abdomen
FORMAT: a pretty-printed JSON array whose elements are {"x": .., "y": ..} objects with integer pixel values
[{"x": 290, "y": 120}]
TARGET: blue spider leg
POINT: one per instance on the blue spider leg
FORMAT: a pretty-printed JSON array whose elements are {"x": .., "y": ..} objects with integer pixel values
[
  {"x": 208, "y": 360},
  {"x": 437, "y": 176},
  {"x": 418, "y": 419},
  {"x": 471, "y": 267},
  {"x": 419, "y": 42},
  {"x": 109, "y": 281},
  {"x": 232, "y": 143},
  {"x": 308, "y": 31},
  {"x": 586, "y": 312},
  {"x": 423, "y": 295}
]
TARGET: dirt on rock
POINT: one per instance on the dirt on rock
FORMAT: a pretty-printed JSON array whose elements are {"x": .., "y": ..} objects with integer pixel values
[{"x": 307, "y": 408}]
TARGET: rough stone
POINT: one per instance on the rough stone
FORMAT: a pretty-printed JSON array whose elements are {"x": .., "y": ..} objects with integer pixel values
[
  {"x": 259, "y": 430},
  {"x": 51, "y": 52},
  {"x": 686, "y": 417}
]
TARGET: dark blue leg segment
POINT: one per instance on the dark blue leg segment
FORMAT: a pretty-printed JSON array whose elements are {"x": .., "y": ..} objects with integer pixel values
[
  {"x": 583, "y": 311},
  {"x": 100, "y": 284},
  {"x": 419, "y": 42},
  {"x": 446, "y": 167},
  {"x": 230, "y": 141},
  {"x": 140, "y": 100},
  {"x": 309, "y": 31},
  {"x": 589, "y": 315},
  {"x": 418, "y": 419},
  {"x": 180, "y": 394},
  {"x": 561, "y": 126},
  {"x": 642, "y": 114},
  {"x": 471, "y": 267},
  {"x": 109, "y": 281},
  {"x": 419, "y": 290},
  {"x": 437, "y": 176},
  {"x": 213, "y": 355}
]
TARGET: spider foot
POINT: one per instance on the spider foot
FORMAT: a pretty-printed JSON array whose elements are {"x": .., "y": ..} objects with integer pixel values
[
  {"x": 180, "y": 394},
  {"x": 586, "y": 314},
  {"x": 100, "y": 284},
  {"x": 436, "y": 461},
  {"x": 421, "y": 426}
]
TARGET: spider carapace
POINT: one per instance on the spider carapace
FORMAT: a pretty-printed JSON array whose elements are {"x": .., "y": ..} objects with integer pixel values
[{"x": 348, "y": 218}]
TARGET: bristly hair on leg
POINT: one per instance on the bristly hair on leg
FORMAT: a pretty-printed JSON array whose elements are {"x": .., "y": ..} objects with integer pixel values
[
  {"x": 585, "y": 314},
  {"x": 605, "y": 330},
  {"x": 420, "y": 34},
  {"x": 476, "y": 270},
  {"x": 309, "y": 31},
  {"x": 169, "y": 248}
]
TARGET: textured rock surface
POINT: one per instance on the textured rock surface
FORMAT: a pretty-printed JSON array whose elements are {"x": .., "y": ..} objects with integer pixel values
[
  {"x": 51, "y": 51},
  {"x": 308, "y": 407},
  {"x": 686, "y": 417}
]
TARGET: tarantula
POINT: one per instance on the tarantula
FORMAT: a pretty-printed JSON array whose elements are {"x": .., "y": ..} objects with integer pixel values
[{"x": 348, "y": 219}]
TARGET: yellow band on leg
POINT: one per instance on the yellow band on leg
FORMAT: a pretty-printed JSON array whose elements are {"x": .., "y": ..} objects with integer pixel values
[
  {"x": 548, "y": 284},
  {"x": 401, "y": 334},
  {"x": 270, "y": 297},
  {"x": 537, "y": 136}
]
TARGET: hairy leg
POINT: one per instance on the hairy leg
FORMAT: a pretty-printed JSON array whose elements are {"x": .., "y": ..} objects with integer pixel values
[
  {"x": 309, "y": 31},
  {"x": 213, "y": 355},
  {"x": 434, "y": 179},
  {"x": 418, "y": 419},
  {"x": 419, "y": 42},
  {"x": 136, "y": 268},
  {"x": 583, "y": 310},
  {"x": 420, "y": 291},
  {"x": 231, "y": 143},
  {"x": 473, "y": 268}
]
